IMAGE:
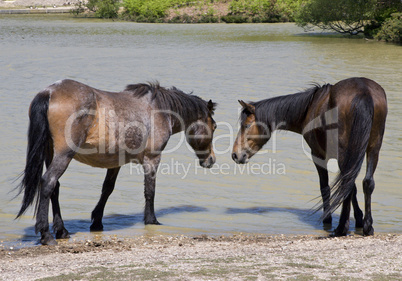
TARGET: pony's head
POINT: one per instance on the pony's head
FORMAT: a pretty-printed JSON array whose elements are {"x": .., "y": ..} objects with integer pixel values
[
  {"x": 252, "y": 135},
  {"x": 199, "y": 135}
]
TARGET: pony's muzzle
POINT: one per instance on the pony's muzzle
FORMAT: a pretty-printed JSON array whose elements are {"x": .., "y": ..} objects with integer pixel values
[
  {"x": 240, "y": 158},
  {"x": 208, "y": 162}
]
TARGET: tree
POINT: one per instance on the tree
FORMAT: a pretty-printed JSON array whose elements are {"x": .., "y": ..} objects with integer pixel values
[{"x": 343, "y": 16}]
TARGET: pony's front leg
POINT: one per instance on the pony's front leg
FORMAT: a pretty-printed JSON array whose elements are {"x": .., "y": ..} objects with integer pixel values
[
  {"x": 150, "y": 166},
  {"x": 107, "y": 189}
]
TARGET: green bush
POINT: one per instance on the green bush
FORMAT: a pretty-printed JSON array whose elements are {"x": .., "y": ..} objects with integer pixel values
[
  {"x": 239, "y": 11},
  {"x": 289, "y": 8},
  {"x": 182, "y": 19},
  {"x": 391, "y": 30},
  {"x": 234, "y": 19},
  {"x": 260, "y": 11},
  {"x": 152, "y": 9},
  {"x": 104, "y": 8}
]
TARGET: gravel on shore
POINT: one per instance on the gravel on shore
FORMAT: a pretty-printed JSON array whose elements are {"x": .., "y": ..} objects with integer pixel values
[{"x": 237, "y": 257}]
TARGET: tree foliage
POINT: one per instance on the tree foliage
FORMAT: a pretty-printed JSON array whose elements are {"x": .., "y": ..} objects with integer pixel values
[
  {"x": 391, "y": 30},
  {"x": 347, "y": 16},
  {"x": 344, "y": 16}
]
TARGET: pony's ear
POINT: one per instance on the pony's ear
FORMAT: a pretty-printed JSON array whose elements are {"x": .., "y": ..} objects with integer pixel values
[
  {"x": 211, "y": 106},
  {"x": 248, "y": 107}
]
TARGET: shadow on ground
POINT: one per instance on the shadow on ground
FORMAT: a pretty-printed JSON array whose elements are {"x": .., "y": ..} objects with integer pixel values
[
  {"x": 113, "y": 222},
  {"x": 121, "y": 221}
]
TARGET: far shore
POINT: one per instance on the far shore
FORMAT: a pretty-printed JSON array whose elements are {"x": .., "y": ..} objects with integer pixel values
[
  {"x": 33, "y": 7},
  {"x": 36, "y": 11}
]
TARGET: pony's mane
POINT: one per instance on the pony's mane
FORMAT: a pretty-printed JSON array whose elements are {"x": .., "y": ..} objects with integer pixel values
[
  {"x": 188, "y": 106},
  {"x": 284, "y": 108}
]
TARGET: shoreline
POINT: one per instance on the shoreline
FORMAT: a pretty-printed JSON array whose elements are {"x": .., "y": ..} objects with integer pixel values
[{"x": 202, "y": 257}]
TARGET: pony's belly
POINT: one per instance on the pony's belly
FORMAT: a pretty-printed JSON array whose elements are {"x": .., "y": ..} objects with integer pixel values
[{"x": 105, "y": 160}]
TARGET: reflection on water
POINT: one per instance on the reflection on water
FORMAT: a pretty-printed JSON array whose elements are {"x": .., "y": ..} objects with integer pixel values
[{"x": 222, "y": 62}]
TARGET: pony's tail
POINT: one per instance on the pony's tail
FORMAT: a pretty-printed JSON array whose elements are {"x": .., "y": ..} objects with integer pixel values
[
  {"x": 362, "y": 109},
  {"x": 38, "y": 143}
]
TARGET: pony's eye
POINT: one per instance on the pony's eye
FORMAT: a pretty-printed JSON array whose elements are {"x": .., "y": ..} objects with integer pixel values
[{"x": 248, "y": 126}]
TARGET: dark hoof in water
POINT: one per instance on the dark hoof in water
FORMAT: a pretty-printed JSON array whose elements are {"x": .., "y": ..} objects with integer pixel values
[
  {"x": 338, "y": 233},
  {"x": 359, "y": 224},
  {"x": 154, "y": 222},
  {"x": 368, "y": 232},
  {"x": 96, "y": 227},
  {"x": 327, "y": 221},
  {"x": 47, "y": 239},
  {"x": 63, "y": 234}
]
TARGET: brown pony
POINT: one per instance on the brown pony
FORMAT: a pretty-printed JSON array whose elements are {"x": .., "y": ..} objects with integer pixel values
[
  {"x": 70, "y": 120},
  {"x": 343, "y": 121}
]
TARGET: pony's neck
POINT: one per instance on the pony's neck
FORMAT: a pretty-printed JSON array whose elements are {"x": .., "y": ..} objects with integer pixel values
[
  {"x": 285, "y": 112},
  {"x": 185, "y": 111},
  {"x": 286, "y": 121},
  {"x": 180, "y": 121}
]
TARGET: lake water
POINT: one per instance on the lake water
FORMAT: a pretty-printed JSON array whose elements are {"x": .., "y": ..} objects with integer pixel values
[{"x": 223, "y": 62}]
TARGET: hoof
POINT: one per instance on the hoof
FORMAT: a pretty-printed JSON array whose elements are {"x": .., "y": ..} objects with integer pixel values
[
  {"x": 368, "y": 231},
  {"x": 327, "y": 221},
  {"x": 62, "y": 234},
  {"x": 339, "y": 232},
  {"x": 155, "y": 222},
  {"x": 96, "y": 227},
  {"x": 358, "y": 223},
  {"x": 47, "y": 239}
]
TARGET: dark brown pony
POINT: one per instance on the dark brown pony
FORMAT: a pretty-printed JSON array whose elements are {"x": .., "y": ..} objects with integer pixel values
[
  {"x": 343, "y": 121},
  {"x": 70, "y": 120}
]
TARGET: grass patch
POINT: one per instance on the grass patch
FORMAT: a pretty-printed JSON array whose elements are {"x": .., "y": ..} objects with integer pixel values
[
  {"x": 304, "y": 277},
  {"x": 386, "y": 277},
  {"x": 211, "y": 272},
  {"x": 118, "y": 273},
  {"x": 304, "y": 265}
]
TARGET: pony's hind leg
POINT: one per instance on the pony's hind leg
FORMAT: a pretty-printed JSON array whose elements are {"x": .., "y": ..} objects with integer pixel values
[
  {"x": 107, "y": 189},
  {"x": 49, "y": 182},
  {"x": 58, "y": 224},
  {"x": 368, "y": 188},
  {"x": 357, "y": 211},
  {"x": 343, "y": 226}
]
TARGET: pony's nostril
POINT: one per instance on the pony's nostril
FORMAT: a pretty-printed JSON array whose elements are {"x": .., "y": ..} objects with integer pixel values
[
  {"x": 211, "y": 161},
  {"x": 234, "y": 156},
  {"x": 243, "y": 157}
]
